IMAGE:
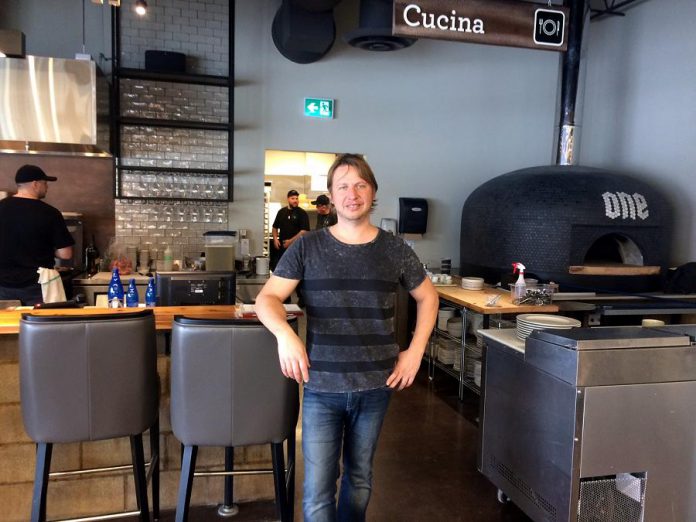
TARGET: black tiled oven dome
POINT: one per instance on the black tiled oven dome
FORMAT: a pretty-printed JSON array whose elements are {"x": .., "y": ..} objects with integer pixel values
[{"x": 553, "y": 217}]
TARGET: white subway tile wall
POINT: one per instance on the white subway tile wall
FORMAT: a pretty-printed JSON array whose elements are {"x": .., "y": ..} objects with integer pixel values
[
  {"x": 154, "y": 225},
  {"x": 174, "y": 101},
  {"x": 175, "y": 148},
  {"x": 199, "y": 30}
]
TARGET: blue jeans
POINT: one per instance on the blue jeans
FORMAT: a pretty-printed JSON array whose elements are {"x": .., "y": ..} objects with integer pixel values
[{"x": 330, "y": 422}]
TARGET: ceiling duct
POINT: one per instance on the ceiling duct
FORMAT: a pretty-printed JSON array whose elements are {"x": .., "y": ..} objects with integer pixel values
[
  {"x": 303, "y": 36},
  {"x": 374, "y": 32}
]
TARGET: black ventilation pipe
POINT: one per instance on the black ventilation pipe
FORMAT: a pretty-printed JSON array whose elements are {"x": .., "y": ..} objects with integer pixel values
[{"x": 568, "y": 132}]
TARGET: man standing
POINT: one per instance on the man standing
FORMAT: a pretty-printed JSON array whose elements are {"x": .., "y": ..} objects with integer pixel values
[
  {"x": 289, "y": 225},
  {"x": 349, "y": 275},
  {"x": 325, "y": 215},
  {"x": 32, "y": 235}
]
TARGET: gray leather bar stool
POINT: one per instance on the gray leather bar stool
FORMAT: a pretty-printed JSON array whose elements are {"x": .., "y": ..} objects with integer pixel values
[
  {"x": 228, "y": 390},
  {"x": 87, "y": 378}
]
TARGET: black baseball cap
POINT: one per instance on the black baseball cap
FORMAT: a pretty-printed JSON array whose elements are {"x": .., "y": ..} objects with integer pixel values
[
  {"x": 293, "y": 192},
  {"x": 29, "y": 173},
  {"x": 322, "y": 200}
]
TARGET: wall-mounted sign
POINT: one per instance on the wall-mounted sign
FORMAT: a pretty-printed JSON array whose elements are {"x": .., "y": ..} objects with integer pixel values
[
  {"x": 318, "y": 107},
  {"x": 493, "y": 22}
]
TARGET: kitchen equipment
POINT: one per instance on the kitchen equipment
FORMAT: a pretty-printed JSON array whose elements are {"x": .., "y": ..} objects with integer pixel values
[
  {"x": 262, "y": 265},
  {"x": 73, "y": 220},
  {"x": 591, "y": 424},
  {"x": 220, "y": 250},
  {"x": 195, "y": 288}
]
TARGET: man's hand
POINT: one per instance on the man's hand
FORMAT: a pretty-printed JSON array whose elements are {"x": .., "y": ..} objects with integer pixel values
[
  {"x": 407, "y": 366},
  {"x": 276, "y": 243},
  {"x": 292, "y": 354}
]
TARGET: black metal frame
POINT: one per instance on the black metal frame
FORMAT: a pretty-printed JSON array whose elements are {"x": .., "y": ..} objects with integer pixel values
[
  {"x": 44, "y": 451},
  {"x": 116, "y": 121},
  {"x": 612, "y": 8}
]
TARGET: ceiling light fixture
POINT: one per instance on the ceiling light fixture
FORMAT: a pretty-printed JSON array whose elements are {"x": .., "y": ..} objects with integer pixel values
[{"x": 141, "y": 7}]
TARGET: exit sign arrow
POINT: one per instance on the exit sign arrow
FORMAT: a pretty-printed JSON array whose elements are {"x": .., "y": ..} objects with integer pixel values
[{"x": 318, "y": 107}]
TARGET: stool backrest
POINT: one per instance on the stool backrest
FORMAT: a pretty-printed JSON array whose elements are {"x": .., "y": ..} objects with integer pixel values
[
  {"x": 88, "y": 377},
  {"x": 227, "y": 387}
]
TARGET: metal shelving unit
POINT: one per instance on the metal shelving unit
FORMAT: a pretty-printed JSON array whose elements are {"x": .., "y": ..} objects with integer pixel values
[
  {"x": 465, "y": 382},
  {"x": 118, "y": 121}
]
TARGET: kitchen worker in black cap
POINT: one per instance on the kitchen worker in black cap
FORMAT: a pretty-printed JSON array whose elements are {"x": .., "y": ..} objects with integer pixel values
[
  {"x": 325, "y": 214},
  {"x": 289, "y": 225},
  {"x": 32, "y": 235}
]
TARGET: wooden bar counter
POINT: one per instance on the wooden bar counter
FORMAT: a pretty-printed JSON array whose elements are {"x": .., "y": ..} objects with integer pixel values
[{"x": 105, "y": 493}]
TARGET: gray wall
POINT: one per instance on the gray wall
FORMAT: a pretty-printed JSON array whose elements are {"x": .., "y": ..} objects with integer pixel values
[
  {"x": 434, "y": 120},
  {"x": 640, "y": 110},
  {"x": 438, "y": 119},
  {"x": 54, "y": 27}
]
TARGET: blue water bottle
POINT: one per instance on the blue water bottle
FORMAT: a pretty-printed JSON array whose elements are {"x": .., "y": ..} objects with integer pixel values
[
  {"x": 151, "y": 293},
  {"x": 132, "y": 294},
  {"x": 115, "y": 292}
]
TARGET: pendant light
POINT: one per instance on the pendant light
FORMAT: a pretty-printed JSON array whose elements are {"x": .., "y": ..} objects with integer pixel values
[{"x": 141, "y": 7}]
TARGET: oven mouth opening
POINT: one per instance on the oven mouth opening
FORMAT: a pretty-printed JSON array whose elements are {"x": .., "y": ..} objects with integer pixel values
[{"x": 613, "y": 250}]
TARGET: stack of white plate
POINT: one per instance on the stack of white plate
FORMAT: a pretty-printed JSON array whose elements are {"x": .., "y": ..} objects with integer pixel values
[
  {"x": 527, "y": 323},
  {"x": 454, "y": 326},
  {"x": 448, "y": 352},
  {"x": 472, "y": 283},
  {"x": 442, "y": 315}
]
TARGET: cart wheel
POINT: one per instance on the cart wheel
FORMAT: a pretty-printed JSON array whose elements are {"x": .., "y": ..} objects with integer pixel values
[{"x": 502, "y": 497}]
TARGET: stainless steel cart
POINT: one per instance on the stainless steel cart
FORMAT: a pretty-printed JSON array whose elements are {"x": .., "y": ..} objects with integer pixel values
[{"x": 592, "y": 424}]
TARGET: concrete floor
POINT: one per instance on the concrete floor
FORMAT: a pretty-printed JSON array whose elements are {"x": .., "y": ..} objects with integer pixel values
[{"x": 425, "y": 467}]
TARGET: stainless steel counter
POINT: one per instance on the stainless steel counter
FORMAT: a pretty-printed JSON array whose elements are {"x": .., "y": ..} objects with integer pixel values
[{"x": 591, "y": 424}]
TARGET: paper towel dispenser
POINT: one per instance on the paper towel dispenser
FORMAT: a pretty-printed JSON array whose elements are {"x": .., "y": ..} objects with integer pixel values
[{"x": 413, "y": 215}]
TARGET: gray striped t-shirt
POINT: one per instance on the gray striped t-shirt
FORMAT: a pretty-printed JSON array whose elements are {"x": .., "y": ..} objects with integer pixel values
[{"x": 350, "y": 293}]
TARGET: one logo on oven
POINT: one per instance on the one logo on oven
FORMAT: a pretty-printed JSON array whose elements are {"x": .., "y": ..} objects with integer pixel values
[{"x": 625, "y": 206}]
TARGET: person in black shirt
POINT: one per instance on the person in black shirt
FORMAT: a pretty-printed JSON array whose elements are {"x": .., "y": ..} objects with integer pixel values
[
  {"x": 325, "y": 214},
  {"x": 32, "y": 234},
  {"x": 289, "y": 225}
]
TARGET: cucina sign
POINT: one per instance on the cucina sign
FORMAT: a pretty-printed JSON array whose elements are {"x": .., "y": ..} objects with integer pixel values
[
  {"x": 494, "y": 22},
  {"x": 414, "y": 16}
]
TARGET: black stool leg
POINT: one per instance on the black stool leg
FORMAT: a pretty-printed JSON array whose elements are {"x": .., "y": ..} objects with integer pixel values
[
  {"x": 43, "y": 465},
  {"x": 140, "y": 476},
  {"x": 228, "y": 507},
  {"x": 281, "y": 493},
  {"x": 188, "y": 466},
  {"x": 291, "y": 476},
  {"x": 155, "y": 461}
]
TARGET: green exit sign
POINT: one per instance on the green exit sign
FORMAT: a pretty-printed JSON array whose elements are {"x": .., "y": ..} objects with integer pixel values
[{"x": 318, "y": 107}]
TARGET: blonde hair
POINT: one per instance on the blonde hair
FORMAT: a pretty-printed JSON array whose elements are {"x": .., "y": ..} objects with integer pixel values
[{"x": 352, "y": 160}]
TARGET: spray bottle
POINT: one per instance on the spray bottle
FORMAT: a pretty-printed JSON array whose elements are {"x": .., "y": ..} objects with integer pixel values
[{"x": 519, "y": 289}]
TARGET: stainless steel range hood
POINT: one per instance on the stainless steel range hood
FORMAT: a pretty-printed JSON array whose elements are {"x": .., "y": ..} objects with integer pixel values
[{"x": 48, "y": 106}]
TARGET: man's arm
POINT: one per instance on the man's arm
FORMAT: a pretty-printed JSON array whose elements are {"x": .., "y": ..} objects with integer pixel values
[
  {"x": 288, "y": 242},
  {"x": 292, "y": 352},
  {"x": 64, "y": 253},
  {"x": 409, "y": 360},
  {"x": 276, "y": 241}
]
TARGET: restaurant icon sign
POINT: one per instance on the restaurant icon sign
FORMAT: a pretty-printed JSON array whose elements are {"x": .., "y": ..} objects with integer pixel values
[{"x": 548, "y": 27}]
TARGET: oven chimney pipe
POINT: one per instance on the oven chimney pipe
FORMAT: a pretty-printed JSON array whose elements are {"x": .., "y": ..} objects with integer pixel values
[{"x": 572, "y": 83}]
